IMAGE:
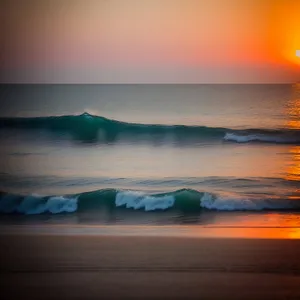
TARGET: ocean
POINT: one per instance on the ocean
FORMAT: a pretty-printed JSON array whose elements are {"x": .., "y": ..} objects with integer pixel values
[{"x": 151, "y": 156}]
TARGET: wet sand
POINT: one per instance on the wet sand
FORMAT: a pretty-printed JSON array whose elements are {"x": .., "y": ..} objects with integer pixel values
[{"x": 128, "y": 267}]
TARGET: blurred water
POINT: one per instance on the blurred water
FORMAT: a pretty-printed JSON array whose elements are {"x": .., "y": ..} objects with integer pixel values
[{"x": 35, "y": 162}]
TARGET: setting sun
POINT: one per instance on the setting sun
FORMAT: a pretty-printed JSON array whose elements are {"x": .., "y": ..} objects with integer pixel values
[{"x": 284, "y": 30}]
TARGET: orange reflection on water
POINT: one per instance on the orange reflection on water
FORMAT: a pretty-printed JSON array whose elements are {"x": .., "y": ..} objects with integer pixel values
[
  {"x": 294, "y": 233},
  {"x": 242, "y": 232},
  {"x": 293, "y": 171},
  {"x": 251, "y": 226},
  {"x": 293, "y": 114},
  {"x": 293, "y": 109},
  {"x": 293, "y": 124}
]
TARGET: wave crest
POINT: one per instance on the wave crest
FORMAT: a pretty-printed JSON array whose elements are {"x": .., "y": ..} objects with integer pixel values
[
  {"x": 182, "y": 200},
  {"x": 91, "y": 128},
  {"x": 34, "y": 205}
]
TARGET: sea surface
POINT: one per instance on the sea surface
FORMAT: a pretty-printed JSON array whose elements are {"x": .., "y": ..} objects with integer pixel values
[{"x": 166, "y": 156}]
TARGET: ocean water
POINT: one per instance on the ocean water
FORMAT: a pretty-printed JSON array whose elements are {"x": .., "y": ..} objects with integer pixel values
[{"x": 152, "y": 155}]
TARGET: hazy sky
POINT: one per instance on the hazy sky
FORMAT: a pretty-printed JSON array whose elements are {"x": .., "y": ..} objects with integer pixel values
[{"x": 149, "y": 41}]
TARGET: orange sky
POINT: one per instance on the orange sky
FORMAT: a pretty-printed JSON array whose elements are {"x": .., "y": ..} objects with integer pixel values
[
  {"x": 188, "y": 41},
  {"x": 284, "y": 30}
]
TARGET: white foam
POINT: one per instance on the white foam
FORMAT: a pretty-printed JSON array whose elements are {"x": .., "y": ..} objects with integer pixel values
[
  {"x": 61, "y": 204},
  {"x": 241, "y": 138},
  {"x": 230, "y": 204},
  {"x": 139, "y": 200},
  {"x": 87, "y": 116},
  {"x": 30, "y": 204},
  {"x": 34, "y": 204}
]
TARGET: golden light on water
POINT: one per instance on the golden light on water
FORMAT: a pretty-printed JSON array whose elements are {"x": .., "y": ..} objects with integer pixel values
[
  {"x": 293, "y": 171},
  {"x": 293, "y": 109},
  {"x": 293, "y": 122},
  {"x": 294, "y": 233}
]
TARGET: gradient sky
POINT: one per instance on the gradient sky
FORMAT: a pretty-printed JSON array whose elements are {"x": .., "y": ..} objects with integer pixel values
[{"x": 149, "y": 41}]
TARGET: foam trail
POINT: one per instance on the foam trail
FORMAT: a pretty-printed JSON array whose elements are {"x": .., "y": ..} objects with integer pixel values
[
  {"x": 138, "y": 200},
  {"x": 246, "y": 138},
  {"x": 32, "y": 205},
  {"x": 62, "y": 204},
  {"x": 242, "y": 204}
]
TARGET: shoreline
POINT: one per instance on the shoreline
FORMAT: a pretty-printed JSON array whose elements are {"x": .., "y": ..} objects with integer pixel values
[
  {"x": 174, "y": 231},
  {"x": 132, "y": 267}
]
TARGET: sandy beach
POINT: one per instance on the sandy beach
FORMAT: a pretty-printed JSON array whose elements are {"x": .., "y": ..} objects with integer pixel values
[{"x": 128, "y": 267}]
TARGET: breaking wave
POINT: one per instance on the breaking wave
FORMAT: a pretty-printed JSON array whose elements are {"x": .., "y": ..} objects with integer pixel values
[{"x": 185, "y": 200}]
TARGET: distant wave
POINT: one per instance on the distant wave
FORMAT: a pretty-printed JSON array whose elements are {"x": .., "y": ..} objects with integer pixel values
[
  {"x": 185, "y": 200},
  {"x": 283, "y": 137},
  {"x": 91, "y": 128}
]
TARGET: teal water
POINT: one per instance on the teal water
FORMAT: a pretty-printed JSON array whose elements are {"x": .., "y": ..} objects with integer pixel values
[{"x": 149, "y": 153}]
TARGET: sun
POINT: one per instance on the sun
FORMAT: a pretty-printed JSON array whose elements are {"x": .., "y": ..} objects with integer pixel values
[{"x": 284, "y": 31}]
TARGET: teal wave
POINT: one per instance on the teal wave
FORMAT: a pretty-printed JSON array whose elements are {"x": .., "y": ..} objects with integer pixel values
[
  {"x": 184, "y": 201},
  {"x": 91, "y": 127},
  {"x": 87, "y": 127}
]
